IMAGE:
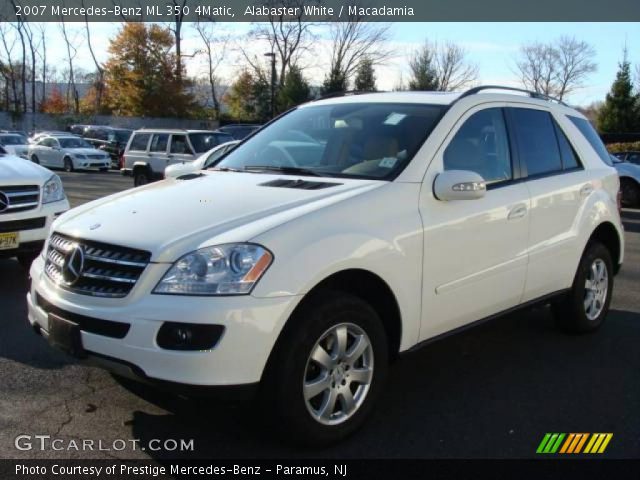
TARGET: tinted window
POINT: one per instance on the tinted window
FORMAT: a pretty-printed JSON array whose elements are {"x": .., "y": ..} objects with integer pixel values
[
  {"x": 179, "y": 144},
  {"x": 140, "y": 141},
  {"x": 11, "y": 140},
  {"x": 482, "y": 146},
  {"x": 633, "y": 158},
  {"x": 569, "y": 157},
  {"x": 159, "y": 142},
  {"x": 537, "y": 144},
  {"x": 203, "y": 142},
  {"x": 361, "y": 140},
  {"x": 592, "y": 137},
  {"x": 71, "y": 142}
]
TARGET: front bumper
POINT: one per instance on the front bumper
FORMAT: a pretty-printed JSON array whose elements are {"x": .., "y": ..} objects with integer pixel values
[
  {"x": 252, "y": 326},
  {"x": 31, "y": 237}
]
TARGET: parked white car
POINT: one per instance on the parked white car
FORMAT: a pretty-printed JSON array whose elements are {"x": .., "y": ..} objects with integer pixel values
[
  {"x": 68, "y": 152},
  {"x": 30, "y": 199},
  {"x": 15, "y": 144},
  {"x": 629, "y": 181},
  {"x": 306, "y": 266},
  {"x": 200, "y": 163}
]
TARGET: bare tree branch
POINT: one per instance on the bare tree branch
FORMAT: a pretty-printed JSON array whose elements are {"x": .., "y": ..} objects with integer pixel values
[
  {"x": 443, "y": 67},
  {"x": 215, "y": 49},
  {"x": 72, "y": 51},
  {"x": 556, "y": 68}
]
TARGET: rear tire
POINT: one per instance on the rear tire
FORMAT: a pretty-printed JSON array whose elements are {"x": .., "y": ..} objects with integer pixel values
[
  {"x": 141, "y": 177},
  {"x": 585, "y": 307},
  {"x": 630, "y": 192},
  {"x": 68, "y": 165},
  {"x": 327, "y": 370}
]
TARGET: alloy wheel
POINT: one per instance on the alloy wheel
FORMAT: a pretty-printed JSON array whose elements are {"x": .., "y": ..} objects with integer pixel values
[{"x": 596, "y": 289}]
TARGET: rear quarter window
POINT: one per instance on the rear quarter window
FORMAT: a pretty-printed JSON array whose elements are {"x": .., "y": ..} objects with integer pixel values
[
  {"x": 139, "y": 142},
  {"x": 590, "y": 134}
]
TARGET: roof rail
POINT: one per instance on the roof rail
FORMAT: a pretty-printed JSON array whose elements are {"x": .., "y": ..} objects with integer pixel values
[
  {"x": 346, "y": 93},
  {"x": 539, "y": 96}
]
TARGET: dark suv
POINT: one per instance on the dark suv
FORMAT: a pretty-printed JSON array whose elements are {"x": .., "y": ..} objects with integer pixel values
[{"x": 110, "y": 139}]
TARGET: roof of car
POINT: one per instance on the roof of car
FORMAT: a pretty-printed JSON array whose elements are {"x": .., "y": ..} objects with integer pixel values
[{"x": 173, "y": 130}]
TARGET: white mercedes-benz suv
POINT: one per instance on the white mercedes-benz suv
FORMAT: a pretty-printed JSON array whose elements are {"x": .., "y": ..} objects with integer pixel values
[
  {"x": 342, "y": 234},
  {"x": 31, "y": 198}
]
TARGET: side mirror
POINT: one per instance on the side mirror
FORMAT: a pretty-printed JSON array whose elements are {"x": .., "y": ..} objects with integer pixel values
[{"x": 459, "y": 185}]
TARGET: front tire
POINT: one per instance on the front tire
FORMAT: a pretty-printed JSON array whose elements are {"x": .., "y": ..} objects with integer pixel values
[
  {"x": 68, "y": 165},
  {"x": 587, "y": 304},
  {"x": 35, "y": 159},
  {"x": 327, "y": 371}
]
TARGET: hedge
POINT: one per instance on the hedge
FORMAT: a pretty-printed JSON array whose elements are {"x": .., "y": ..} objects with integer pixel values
[{"x": 623, "y": 147}]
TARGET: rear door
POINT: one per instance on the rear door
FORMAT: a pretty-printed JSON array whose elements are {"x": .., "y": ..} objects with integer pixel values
[
  {"x": 558, "y": 185},
  {"x": 158, "y": 154}
]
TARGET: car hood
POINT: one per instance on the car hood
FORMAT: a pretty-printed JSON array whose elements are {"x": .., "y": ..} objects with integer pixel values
[
  {"x": 16, "y": 148},
  {"x": 18, "y": 171},
  {"x": 85, "y": 151},
  {"x": 175, "y": 216}
]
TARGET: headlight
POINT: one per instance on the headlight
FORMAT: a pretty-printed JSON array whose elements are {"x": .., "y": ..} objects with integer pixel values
[
  {"x": 52, "y": 190},
  {"x": 79, "y": 156},
  {"x": 231, "y": 269}
]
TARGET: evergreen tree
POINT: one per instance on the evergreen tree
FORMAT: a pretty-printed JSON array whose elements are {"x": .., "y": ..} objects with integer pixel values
[
  {"x": 335, "y": 82},
  {"x": 620, "y": 112},
  {"x": 422, "y": 69},
  {"x": 295, "y": 89},
  {"x": 249, "y": 98},
  {"x": 365, "y": 80}
]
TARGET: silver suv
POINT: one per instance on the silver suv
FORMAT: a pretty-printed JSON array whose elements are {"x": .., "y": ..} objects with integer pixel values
[{"x": 149, "y": 152}]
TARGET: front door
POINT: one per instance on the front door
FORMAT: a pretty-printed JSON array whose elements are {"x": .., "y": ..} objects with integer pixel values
[{"x": 475, "y": 259}]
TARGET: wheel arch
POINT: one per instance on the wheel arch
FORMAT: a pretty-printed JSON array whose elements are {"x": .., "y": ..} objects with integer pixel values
[
  {"x": 607, "y": 234},
  {"x": 365, "y": 285}
]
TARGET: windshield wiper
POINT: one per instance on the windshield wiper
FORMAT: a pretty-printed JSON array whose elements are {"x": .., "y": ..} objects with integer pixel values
[
  {"x": 223, "y": 169},
  {"x": 282, "y": 169}
]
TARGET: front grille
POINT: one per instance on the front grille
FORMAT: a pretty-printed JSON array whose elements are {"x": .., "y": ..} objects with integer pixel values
[
  {"x": 21, "y": 225},
  {"x": 96, "y": 157},
  {"x": 108, "y": 328},
  {"x": 107, "y": 271},
  {"x": 19, "y": 198}
]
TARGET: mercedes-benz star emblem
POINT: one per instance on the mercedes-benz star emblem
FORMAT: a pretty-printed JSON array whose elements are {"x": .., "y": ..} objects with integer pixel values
[
  {"x": 4, "y": 202},
  {"x": 73, "y": 265}
]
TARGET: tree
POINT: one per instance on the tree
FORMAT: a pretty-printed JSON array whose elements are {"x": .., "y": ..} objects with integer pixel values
[
  {"x": 215, "y": 47},
  {"x": 355, "y": 40},
  {"x": 72, "y": 51},
  {"x": 443, "y": 67},
  {"x": 295, "y": 89},
  {"x": 141, "y": 75},
  {"x": 55, "y": 103},
  {"x": 98, "y": 83},
  {"x": 620, "y": 112},
  {"x": 249, "y": 97},
  {"x": 334, "y": 82},
  {"x": 556, "y": 68},
  {"x": 423, "y": 70},
  {"x": 365, "y": 76}
]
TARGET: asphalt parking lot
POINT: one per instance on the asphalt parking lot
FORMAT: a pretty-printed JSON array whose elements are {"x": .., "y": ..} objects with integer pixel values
[{"x": 491, "y": 392}]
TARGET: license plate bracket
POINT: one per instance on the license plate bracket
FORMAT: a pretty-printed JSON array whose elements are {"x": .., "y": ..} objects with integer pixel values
[{"x": 65, "y": 335}]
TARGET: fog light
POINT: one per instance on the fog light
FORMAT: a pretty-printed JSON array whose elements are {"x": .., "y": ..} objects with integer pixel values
[{"x": 188, "y": 336}]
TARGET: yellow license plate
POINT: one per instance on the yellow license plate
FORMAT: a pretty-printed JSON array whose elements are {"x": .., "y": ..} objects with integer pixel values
[{"x": 9, "y": 240}]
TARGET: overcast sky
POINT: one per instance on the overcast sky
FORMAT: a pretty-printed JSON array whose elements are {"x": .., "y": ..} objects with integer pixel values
[{"x": 492, "y": 46}]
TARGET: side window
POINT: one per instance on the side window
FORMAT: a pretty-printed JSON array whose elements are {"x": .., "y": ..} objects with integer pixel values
[
  {"x": 537, "y": 144},
  {"x": 140, "y": 141},
  {"x": 482, "y": 146},
  {"x": 44, "y": 142},
  {"x": 634, "y": 158},
  {"x": 159, "y": 142},
  {"x": 592, "y": 137},
  {"x": 179, "y": 144},
  {"x": 568, "y": 154}
]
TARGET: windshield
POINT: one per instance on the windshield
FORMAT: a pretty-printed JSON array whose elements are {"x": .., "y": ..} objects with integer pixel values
[
  {"x": 360, "y": 140},
  {"x": 120, "y": 136},
  {"x": 73, "y": 143},
  {"x": 12, "y": 140}
]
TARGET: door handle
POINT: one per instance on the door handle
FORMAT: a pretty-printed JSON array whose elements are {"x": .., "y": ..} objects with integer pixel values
[
  {"x": 516, "y": 212},
  {"x": 586, "y": 190}
]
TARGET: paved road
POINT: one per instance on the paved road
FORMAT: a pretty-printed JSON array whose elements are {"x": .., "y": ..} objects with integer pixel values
[{"x": 489, "y": 392}]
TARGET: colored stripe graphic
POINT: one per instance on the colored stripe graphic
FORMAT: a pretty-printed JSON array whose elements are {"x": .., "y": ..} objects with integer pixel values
[{"x": 573, "y": 443}]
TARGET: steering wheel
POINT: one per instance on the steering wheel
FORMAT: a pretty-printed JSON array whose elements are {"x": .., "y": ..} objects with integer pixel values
[{"x": 276, "y": 156}]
